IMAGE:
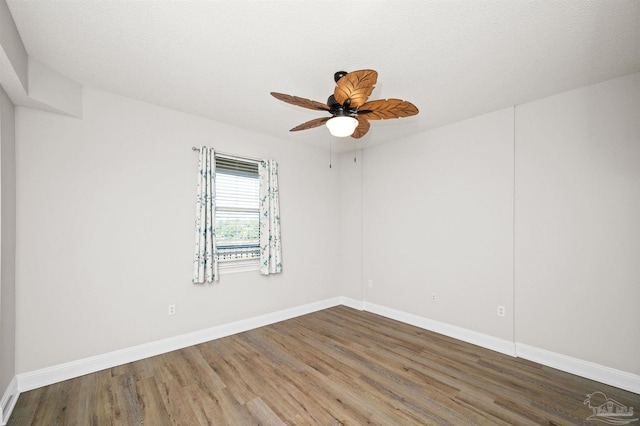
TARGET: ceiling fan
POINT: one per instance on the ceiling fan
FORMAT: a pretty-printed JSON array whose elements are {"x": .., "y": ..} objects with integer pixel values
[{"x": 348, "y": 106}]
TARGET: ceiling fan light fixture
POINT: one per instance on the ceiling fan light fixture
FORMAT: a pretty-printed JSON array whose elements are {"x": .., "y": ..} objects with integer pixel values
[{"x": 342, "y": 126}]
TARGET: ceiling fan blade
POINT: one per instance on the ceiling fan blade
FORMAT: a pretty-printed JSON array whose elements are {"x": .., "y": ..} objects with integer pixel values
[
  {"x": 362, "y": 129},
  {"x": 385, "y": 109},
  {"x": 311, "y": 124},
  {"x": 353, "y": 89},
  {"x": 305, "y": 103}
]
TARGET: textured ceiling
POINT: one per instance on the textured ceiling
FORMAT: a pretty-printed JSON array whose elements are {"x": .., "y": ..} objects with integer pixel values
[{"x": 220, "y": 59}]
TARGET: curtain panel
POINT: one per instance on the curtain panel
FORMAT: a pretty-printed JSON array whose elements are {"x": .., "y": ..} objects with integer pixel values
[
  {"x": 270, "y": 248},
  {"x": 205, "y": 263}
]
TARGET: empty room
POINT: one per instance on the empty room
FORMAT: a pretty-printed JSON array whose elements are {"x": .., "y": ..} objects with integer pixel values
[{"x": 243, "y": 212}]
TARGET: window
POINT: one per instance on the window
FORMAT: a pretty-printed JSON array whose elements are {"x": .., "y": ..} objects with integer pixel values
[{"x": 237, "y": 213}]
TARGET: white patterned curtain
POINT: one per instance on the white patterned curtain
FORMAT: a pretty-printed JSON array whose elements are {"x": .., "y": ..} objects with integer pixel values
[
  {"x": 270, "y": 250},
  {"x": 205, "y": 263}
]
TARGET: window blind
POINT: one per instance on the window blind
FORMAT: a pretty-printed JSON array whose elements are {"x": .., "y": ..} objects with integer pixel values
[
  {"x": 237, "y": 210},
  {"x": 237, "y": 167}
]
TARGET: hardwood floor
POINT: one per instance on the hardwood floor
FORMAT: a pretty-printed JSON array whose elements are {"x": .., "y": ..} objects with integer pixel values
[{"x": 334, "y": 367}]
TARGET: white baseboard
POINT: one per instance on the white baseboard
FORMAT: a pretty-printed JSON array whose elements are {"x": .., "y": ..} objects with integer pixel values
[
  {"x": 352, "y": 303},
  {"x": 58, "y": 373},
  {"x": 484, "y": 340},
  {"x": 590, "y": 370},
  {"x": 8, "y": 401},
  {"x": 46, "y": 376}
]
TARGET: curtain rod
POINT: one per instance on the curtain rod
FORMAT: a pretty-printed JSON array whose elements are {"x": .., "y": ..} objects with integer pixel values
[{"x": 232, "y": 156}]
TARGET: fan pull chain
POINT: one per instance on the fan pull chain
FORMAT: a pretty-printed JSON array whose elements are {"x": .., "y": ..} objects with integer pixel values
[
  {"x": 354, "y": 151},
  {"x": 330, "y": 151}
]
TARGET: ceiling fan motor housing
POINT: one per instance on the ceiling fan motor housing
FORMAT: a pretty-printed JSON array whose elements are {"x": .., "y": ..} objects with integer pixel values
[{"x": 338, "y": 110}]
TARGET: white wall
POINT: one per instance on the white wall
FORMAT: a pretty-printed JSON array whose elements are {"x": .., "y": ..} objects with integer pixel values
[
  {"x": 7, "y": 242},
  {"x": 105, "y": 224},
  {"x": 438, "y": 218},
  {"x": 535, "y": 208},
  {"x": 349, "y": 244},
  {"x": 578, "y": 223}
]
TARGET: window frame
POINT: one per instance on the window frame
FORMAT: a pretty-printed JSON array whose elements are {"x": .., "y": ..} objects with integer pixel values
[{"x": 239, "y": 264}]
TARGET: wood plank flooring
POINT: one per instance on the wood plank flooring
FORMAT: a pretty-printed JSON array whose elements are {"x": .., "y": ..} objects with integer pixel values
[{"x": 335, "y": 367}]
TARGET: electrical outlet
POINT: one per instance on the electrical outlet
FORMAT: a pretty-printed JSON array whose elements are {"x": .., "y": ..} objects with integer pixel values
[
  {"x": 500, "y": 311},
  {"x": 434, "y": 298},
  {"x": 370, "y": 284},
  {"x": 172, "y": 309}
]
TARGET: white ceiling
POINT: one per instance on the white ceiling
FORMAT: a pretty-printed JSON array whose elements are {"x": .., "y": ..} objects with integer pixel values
[{"x": 220, "y": 59}]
